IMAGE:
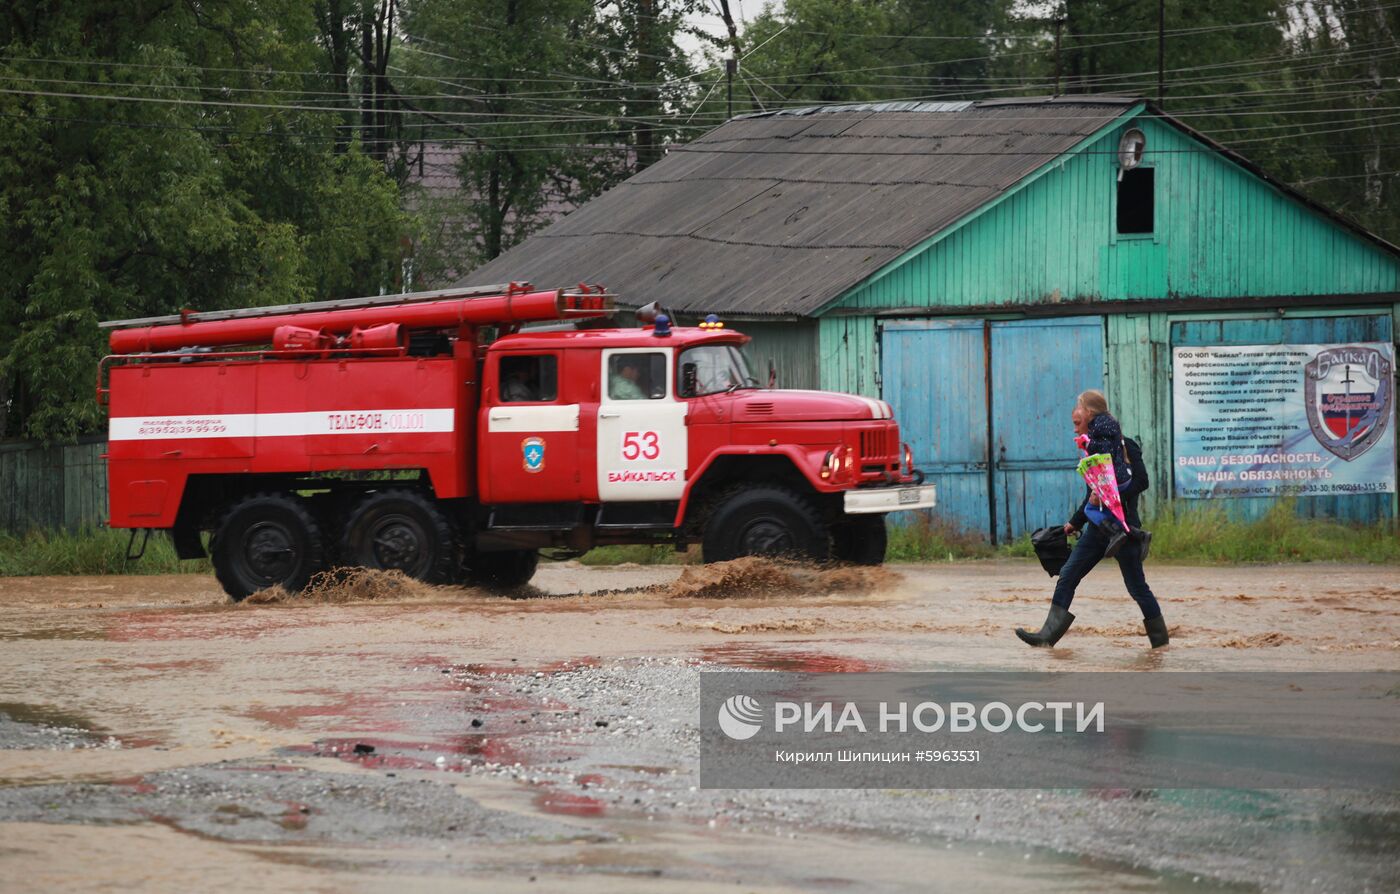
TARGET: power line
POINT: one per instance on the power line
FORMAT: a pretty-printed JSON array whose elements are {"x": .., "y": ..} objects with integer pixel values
[
  {"x": 1341, "y": 148},
  {"x": 1099, "y": 80},
  {"x": 565, "y": 78},
  {"x": 1311, "y": 180},
  {"x": 483, "y": 143},
  {"x": 491, "y": 118},
  {"x": 107, "y": 63},
  {"x": 265, "y": 91},
  {"x": 1152, "y": 33},
  {"x": 705, "y": 147},
  {"x": 517, "y": 120}
]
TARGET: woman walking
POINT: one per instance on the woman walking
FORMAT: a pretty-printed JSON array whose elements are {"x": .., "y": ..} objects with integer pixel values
[{"x": 1091, "y": 417}]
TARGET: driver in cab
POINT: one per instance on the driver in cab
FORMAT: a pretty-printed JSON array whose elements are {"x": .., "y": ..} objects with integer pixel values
[{"x": 623, "y": 383}]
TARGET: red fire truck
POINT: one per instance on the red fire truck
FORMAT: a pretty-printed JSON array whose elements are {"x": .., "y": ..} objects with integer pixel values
[{"x": 430, "y": 433}]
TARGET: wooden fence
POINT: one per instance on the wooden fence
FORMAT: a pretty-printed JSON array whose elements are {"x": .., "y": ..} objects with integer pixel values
[{"x": 52, "y": 487}]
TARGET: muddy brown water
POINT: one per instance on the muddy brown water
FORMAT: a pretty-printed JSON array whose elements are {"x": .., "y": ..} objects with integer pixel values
[{"x": 182, "y": 679}]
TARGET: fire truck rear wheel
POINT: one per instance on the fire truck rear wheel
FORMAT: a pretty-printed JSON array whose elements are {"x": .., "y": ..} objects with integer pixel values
[
  {"x": 266, "y": 540},
  {"x": 860, "y": 540},
  {"x": 766, "y": 521},
  {"x": 401, "y": 530}
]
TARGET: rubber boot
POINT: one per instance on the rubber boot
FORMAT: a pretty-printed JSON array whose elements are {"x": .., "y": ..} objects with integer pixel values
[
  {"x": 1056, "y": 623},
  {"x": 1156, "y": 631}
]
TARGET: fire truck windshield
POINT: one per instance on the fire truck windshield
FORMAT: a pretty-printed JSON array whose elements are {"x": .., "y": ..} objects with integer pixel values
[{"x": 711, "y": 369}]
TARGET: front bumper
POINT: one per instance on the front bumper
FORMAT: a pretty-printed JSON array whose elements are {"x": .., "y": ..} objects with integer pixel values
[{"x": 866, "y": 500}]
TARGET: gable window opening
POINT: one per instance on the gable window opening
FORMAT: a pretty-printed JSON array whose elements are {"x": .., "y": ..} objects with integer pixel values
[{"x": 1136, "y": 200}]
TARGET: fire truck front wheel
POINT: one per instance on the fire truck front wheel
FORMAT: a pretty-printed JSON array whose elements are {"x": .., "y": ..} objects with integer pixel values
[
  {"x": 402, "y": 530},
  {"x": 766, "y": 521},
  {"x": 266, "y": 540}
]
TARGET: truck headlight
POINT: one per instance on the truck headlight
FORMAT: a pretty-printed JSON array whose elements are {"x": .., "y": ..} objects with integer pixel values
[{"x": 838, "y": 463}]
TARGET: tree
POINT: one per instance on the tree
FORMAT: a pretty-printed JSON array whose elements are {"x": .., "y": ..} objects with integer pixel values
[
  {"x": 172, "y": 159},
  {"x": 830, "y": 51},
  {"x": 549, "y": 102},
  {"x": 646, "y": 72}
]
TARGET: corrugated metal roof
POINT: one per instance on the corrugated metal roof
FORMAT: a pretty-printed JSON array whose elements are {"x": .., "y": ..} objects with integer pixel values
[
  {"x": 782, "y": 212},
  {"x": 906, "y": 106}
]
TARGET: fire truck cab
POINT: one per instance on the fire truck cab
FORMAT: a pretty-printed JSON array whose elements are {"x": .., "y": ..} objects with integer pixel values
[{"x": 407, "y": 434}]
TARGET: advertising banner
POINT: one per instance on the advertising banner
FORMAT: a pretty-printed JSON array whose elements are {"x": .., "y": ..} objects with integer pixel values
[{"x": 1275, "y": 420}]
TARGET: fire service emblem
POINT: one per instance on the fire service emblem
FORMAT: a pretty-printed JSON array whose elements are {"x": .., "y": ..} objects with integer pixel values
[
  {"x": 532, "y": 449},
  {"x": 1349, "y": 393}
]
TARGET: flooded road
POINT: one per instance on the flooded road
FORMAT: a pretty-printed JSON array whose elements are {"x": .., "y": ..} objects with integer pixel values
[{"x": 378, "y": 732}]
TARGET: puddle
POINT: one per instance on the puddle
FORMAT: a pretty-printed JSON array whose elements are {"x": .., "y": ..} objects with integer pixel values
[
  {"x": 569, "y": 804},
  {"x": 770, "y": 657},
  {"x": 476, "y": 717},
  {"x": 195, "y": 623},
  {"x": 354, "y": 709},
  {"x": 195, "y": 665},
  {"x": 42, "y": 715},
  {"x": 377, "y": 753},
  {"x": 25, "y": 726},
  {"x": 58, "y": 632}
]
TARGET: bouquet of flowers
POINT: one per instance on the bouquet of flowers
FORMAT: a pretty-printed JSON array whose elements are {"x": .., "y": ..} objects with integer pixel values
[{"x": 1097, "y": 472}]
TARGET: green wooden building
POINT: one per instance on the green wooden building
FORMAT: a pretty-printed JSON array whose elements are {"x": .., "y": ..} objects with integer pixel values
[{"x": 976, "y": 264}]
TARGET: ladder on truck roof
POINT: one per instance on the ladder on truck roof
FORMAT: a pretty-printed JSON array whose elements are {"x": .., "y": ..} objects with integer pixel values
[{"x": 210, "y": 316}]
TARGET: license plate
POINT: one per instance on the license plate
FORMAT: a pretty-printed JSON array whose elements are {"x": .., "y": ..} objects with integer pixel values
[{"x": 909, "y": 495}]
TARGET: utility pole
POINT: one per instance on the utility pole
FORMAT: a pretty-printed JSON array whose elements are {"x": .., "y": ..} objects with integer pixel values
[
  {"x": 1161, "y": 52},
  {"x": 731, "y": 65},
  {"x": 1058, "y": 22},
  {"x": 648, "y": 73}
]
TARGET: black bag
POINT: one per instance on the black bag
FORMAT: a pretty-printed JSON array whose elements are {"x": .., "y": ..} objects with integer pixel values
[
  {"x": 1138, "y": 470},
  {"x": 1051, "y": 548}
]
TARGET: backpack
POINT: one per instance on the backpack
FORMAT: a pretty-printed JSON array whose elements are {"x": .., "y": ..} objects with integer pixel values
[
  {"x": 1051, "y": 548},
  {"x": 1136, "y": 471}
]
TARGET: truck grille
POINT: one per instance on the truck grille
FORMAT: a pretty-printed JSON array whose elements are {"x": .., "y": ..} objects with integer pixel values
[{"x": 878, "y": 444}]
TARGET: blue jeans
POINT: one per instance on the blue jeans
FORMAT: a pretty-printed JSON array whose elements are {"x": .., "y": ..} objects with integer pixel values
[{"x": 1087, "y": 553}]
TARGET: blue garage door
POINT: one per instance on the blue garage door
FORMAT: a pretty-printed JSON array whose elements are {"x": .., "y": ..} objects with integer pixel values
[
  {"x": 985, "y": 406},
  {"x": 934, "y": 375}
]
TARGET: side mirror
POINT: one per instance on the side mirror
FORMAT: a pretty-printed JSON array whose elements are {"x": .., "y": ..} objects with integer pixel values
[{"x": 690, "y": 378}]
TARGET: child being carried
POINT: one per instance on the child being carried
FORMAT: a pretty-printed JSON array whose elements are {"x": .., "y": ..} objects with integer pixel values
[{"x": 1106, "y": 470}]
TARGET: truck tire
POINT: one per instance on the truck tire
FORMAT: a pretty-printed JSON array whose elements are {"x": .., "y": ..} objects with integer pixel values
[
  {"x": 265, "y": 540},
  {"x": 507, "y": 570},
  {"x": 860, "y": 540},
  {"x": 402, "y": 530},
  {"x": 765, "y": 521}
]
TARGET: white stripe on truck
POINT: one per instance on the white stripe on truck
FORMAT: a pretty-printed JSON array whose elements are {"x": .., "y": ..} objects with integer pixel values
[{"x": 282, "y": 425}]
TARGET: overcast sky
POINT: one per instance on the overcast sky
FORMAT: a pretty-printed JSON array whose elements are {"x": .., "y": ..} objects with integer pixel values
[{"x": 712, "y": 23}]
